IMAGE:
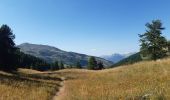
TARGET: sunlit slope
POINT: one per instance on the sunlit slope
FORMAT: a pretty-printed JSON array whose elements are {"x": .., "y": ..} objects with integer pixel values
[
  {"x": 145, "y": 80},
  {"x": 28, "y": 85}
]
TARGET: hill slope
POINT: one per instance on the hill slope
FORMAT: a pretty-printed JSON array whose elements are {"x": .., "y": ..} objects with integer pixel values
[
  {"x": 147, "y": 80},
  {"x": 51, "y": 54},
  {"x": 116, "y": 57},
  {"x": 129, "y": 60},
  {"x": 141, "y": 81}
]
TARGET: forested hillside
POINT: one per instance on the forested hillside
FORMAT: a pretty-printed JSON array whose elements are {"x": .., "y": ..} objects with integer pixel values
[
  {"x": 32, "y": 62},
  {"x": 129, "y": 60},
  {"x": 52, "y": 54}
]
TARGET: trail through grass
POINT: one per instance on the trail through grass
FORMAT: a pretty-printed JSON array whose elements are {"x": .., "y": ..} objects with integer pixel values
[
  {"x": 141, "y": 81},
  {"x": 26, "y": 86}
]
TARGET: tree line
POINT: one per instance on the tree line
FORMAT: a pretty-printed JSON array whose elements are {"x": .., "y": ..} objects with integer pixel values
[
  {"x": 94, "y": 65},
  {"x": 12, "y": 58},
  {"x": 153, "y": 46},
  {"x": 8, "y": 56}
]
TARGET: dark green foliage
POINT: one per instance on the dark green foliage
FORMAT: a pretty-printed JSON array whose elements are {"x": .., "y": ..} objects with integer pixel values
[
  {"x": 51, "y": 54},
  {"x": 100, "y": 66},
  {"x": 10, "y": 56},
  {"x": 55, "y": 66},
  {"x": 92, "y": 63},
  {"x": 153, "y": 44},
  {"x": 169, "y": 46},
  {"x": 78, "y": 65},
  {"x": 7, "y": 49},
  {"x": 31, "y": 62},
  {"x": 61, "y": 65},
  {"x": 129, "y": 60}
]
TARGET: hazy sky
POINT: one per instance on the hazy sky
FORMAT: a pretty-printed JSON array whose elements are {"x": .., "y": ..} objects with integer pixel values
[{"x": 95, "y": 27}]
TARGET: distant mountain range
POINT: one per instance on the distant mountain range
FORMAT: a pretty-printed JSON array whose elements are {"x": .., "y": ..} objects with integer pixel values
[
  {"x": 52, "y": 54},
  {"x": 129, "y": 60},
  {"x": 116, "y": 57}
]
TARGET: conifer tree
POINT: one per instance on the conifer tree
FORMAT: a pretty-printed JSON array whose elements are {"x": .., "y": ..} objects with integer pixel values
[
  {"x": 153, "y": 44},
  {"x": 8, "y": 57},
  {"x": 169, "y": 46},
  {"x": 55, "y": 66},
  {"x": 61, "y": 65},
  {"x": 78, "y": 65},
  {"x": 100, "y": 66},
  {"x": 92, "y": 63}
]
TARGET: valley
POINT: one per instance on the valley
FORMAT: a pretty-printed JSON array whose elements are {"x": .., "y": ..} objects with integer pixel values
[
  {"x": 84, "y": 50},
  {"x": 52, "y": 54},
  {"x": 144, "y": 80}
]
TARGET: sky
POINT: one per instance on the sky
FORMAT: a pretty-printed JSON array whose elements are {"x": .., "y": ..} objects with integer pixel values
[{"x": 94, "y": 27}]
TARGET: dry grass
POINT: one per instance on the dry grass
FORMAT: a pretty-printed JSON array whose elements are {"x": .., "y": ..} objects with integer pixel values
[
  {"x": 28, "y": 85},
  {"x": 142, "y": 81}
]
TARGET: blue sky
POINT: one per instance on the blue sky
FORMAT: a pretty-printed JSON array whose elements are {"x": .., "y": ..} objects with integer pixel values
[{"x": 94, "y": 27}]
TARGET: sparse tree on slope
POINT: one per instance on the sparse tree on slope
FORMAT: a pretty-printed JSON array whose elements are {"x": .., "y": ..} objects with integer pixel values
[
  {"x": 78, "y": 65},
  {"x": 55, "y": 66},
  {"x": 8, "y": 58},
  {"x": 92, "y": 63},
  {"x": 100, "y": 66},
  {"x": 169, "y": 46},
  {"x": 153, "y": 44},
  {"x": 61, "y": 66}
]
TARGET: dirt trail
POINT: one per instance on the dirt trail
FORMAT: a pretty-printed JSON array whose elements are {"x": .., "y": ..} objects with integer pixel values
[{"x": 60, "y": 93}]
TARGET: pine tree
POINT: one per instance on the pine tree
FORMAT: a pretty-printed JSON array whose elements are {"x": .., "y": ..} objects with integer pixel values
[
  {"x": 169, "y": 46},
  {"x": 78, "y": 65},
  {"x": 61, "y": 65},
  {"x": 100, "y": 66},
  {"x": 8, "y": 57},
  {"x": 168, "y": 43},
  {"x": 56, "y": 66},
  {"x": 153, "y": 44},
  {"x": 92, "y": 63}
]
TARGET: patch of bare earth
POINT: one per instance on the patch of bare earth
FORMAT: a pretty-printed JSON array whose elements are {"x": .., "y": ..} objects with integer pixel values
[{"x": 60, "y": 94}]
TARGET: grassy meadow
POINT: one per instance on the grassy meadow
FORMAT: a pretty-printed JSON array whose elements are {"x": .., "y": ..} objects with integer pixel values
[
  {"x": 28, "y": 85},
  {"x": 141, "y": 81}
]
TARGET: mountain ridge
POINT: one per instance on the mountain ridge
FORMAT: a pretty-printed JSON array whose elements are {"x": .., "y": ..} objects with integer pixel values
[
  {"x": 52, "y": 54},
  {"x": 116, "y": 57},
  {"x": 134, "y": 58}
]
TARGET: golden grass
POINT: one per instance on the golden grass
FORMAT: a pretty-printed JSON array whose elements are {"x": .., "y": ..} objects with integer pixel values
[
  {"x": 145, "y": 80},
  {"x": 141, "y": 81},
  {"x": 28, "y": 85}
]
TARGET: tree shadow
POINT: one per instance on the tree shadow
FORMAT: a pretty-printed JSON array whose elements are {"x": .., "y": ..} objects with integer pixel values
[{"x": 36, "y": 79}]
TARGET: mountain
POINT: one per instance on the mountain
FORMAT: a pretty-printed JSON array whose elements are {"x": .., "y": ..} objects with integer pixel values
[
  {"x": 129, "y": 60},
  {"x": 51, "y": 54},
  {"x": 116, "y": 57}
]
